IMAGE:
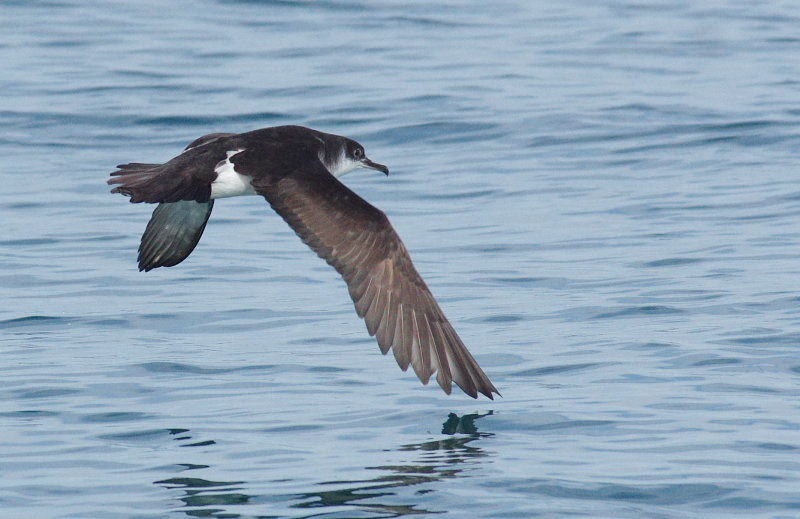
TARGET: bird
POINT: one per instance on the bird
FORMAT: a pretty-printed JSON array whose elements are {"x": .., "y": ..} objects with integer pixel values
[{"x": 297, "y": 169}]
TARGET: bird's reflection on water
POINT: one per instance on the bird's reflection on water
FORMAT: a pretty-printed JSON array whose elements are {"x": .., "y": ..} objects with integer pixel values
[{"x": 438, "y": 460}]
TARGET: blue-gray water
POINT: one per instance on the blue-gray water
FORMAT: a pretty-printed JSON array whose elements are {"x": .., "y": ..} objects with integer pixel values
[{"x": 604, "y": 197}]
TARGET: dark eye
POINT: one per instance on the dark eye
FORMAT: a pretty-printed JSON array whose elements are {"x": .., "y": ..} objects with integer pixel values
[{"x": 358, "y": 153}]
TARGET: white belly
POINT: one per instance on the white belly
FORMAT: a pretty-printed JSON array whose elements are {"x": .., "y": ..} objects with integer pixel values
[{"x": 228, "y": 181}]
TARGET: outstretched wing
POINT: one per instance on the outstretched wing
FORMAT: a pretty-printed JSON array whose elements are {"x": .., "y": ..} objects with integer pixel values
[
  {"x": 172, "y": 233},
  {"x": 360, "y": 243}
]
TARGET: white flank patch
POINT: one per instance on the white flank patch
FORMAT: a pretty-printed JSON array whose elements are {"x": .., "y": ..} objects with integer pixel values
[{"x": 228, "y": 181}]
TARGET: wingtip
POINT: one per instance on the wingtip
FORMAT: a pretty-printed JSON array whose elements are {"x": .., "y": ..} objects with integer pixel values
[
  {"x": 491, "y": 392},
  {"x": 488, "y": 393}
]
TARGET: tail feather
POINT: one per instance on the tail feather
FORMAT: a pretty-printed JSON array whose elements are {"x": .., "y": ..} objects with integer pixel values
[
  {"x": 155, "y": 183},
  {"x": 134, "y": 167}
]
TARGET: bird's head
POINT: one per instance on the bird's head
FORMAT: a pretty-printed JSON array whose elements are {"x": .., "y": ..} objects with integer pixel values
[{"x": 344, "y": 155}]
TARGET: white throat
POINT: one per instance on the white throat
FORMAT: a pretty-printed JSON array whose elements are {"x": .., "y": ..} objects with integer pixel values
[{"x": 343, "y": 165}]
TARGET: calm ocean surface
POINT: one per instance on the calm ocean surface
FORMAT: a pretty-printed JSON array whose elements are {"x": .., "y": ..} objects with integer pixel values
[{"x": 604, "y": 197}]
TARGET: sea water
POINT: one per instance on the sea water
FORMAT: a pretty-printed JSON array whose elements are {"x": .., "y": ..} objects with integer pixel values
[{"x": 603, "y": 196}]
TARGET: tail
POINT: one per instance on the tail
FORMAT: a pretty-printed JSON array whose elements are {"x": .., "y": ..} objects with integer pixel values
[
  {"x": 136, "y": 180},
  {"x": 157, "y": 183}
]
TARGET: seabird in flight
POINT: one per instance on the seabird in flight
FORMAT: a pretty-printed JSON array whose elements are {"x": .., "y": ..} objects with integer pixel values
[{"x": 295, "y": 169}]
